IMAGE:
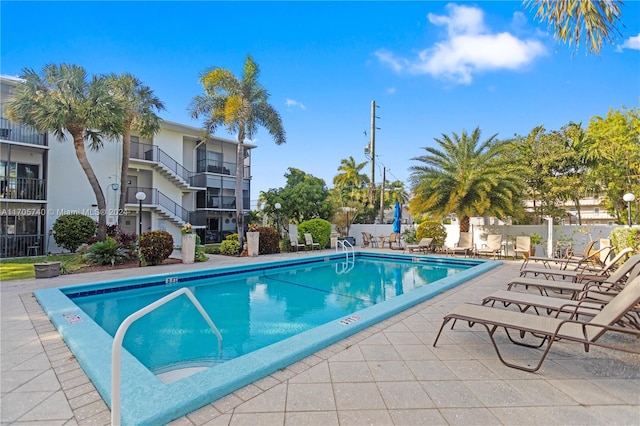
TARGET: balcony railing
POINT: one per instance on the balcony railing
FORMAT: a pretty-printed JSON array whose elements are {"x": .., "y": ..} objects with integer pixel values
[
  {"x": 15, "y": 132},
  {"x": 21, "y": 245},
  {"x": 23, "y": 188},
  {"x": 148, "y": 152}
]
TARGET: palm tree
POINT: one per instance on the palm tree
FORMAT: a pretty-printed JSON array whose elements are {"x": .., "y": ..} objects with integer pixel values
[
  {"x": 241, "y": 106},
  {"x": 573, "y": 20},
  {"x": 351, "y": 175},
  {"x": 466, "y": 177},
  {"x": 139, "y": 105},
  {"x": 62, "y": 99}
]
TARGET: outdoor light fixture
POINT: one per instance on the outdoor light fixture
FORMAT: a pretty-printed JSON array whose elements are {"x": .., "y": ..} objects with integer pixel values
[
  {"x": 115, "y": 186},
  {"x": 140, "y": 196},
  {"x": 278, "y": 206},
  {"x": 629, "y": 198}
]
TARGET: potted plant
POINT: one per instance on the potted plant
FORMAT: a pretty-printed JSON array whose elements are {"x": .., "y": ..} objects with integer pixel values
[
  {"x": 188, "y": 248},
  {"x": 535, "y": 240},
  {"x": 253, "y": 240}
]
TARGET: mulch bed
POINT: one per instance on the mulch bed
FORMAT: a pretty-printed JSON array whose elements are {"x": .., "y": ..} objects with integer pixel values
[{"x": 129, "y": 264}]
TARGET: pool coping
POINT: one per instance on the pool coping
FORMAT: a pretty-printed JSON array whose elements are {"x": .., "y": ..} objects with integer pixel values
[{"x": 146, "y": 400}]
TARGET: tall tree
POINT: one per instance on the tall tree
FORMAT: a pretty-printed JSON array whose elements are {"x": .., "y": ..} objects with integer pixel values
[
  {"x": 139, "y": 106},
  {"x": 64, "y": 99},
  {"x": 350, "y": 175},
  {"x": 241, "y": 106},
  {"x": 466, "y": 177},
  {"x": 574, "y": 20}
]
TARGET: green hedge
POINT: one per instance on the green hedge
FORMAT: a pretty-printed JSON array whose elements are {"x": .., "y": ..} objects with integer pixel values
[{"x": 319, "y": 229}]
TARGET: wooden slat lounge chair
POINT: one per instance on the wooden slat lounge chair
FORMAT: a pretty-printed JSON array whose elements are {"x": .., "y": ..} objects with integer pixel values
[
  {"x": 308, "y": 241},
  {"x": 575, "y": 275},
  {"x": 618, "y": 277},
  {"x": 493, "y": 246},
  {"x": 423, "y": 246},
  {"x": 549, "y": 329}
]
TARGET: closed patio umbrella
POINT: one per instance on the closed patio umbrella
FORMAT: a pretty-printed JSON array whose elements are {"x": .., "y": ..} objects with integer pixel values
[{"x": 397, "y": 214}]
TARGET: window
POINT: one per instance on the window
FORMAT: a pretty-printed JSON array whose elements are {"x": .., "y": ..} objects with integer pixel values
[{"x": 596, "y": 210}]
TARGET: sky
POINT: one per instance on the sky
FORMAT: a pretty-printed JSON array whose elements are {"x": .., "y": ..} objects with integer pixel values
[{"x": 433, "y": 68}]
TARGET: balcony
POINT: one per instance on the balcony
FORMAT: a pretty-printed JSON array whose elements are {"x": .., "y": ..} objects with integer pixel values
[
  {"x": 23, "y": 189},
  {"x": 14, "y": 132}
]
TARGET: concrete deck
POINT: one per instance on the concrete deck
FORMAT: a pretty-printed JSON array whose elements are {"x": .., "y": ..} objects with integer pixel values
[{"x": 389, "y": 374}]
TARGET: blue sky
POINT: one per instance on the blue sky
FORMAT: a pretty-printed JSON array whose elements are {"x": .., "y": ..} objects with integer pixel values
[{"x": 432, "y": 67}]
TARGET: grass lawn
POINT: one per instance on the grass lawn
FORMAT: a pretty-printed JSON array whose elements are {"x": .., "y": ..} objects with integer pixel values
[{"x": 18, "y": 269}]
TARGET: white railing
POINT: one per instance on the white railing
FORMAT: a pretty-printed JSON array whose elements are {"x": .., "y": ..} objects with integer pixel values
[
  {"x": 119, "y": 337},
  {"x": 347, "y": 248}
]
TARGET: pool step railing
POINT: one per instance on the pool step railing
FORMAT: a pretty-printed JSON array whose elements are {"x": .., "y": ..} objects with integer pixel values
[
  {"x": 116, "y": 349},
  {"x": 349, "y": 262}
]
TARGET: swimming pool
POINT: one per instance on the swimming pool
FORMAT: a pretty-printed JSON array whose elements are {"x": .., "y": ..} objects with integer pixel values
[{"x": 400, "y": 284}]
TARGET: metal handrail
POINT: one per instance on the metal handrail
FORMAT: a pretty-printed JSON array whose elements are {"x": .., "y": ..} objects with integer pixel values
[{"x": 119, "y": 337}]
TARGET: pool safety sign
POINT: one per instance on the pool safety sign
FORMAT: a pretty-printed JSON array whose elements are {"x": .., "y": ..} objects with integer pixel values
[
  {"x": 350, "y": 320},
  {"x": 72, "y": 318}
]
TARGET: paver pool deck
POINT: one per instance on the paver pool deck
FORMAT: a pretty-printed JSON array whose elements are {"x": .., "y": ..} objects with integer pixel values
[{"x": 388, "y": 374}]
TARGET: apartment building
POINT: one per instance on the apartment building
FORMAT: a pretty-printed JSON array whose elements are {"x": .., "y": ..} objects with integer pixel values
[
  {"x": 591, "y": 212},
  {"x": 23, "y": 183},
  {"x": 184, "y": 179}
]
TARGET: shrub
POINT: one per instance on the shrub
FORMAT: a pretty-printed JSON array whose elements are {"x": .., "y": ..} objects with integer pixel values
[
  {"x": 72, "y": 230},
  {"x": 106, "y": 252},
  {"x": 232, "y": 237},
  {"x": 155, "y": 246},
  {"x": 269, "y": 240},
  {"x": 432, "y": 229},
  {"x": 230, "y": 247},
  {"x": 624, "y": 237},
  {"x": 285, "y": 245},
  {"x": 319, "y": 229},
  {"x": 200, "y": 255},
  {"x": 212, "y": 249}
]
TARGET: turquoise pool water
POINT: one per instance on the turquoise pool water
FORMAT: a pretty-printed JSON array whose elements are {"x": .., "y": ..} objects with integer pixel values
[
  {"x": 252, "y": 310},
  {"x": 396, "y": 282}
]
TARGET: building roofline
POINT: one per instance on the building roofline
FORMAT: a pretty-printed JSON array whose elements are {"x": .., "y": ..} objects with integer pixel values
[{"x": 197, "y": 131}]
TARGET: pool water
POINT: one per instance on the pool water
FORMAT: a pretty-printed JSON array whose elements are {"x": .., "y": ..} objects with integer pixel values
[
  {"x": 288, "y": 309},
  {"x": 253, "y": 310}
]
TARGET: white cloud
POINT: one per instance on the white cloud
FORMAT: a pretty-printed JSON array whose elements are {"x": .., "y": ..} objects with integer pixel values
[
  {"x": 391, "y": 91},
  {"x": 630, "y": 43},
  {"x": 470, "y": 47},
  {"x": 293, "y": 103}
]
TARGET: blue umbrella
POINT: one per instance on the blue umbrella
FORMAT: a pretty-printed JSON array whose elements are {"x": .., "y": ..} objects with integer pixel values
[{"x": 397, "y": 214}]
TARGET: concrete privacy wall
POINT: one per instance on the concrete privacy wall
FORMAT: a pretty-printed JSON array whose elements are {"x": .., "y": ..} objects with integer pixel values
[{"x": 578, "y": 236}]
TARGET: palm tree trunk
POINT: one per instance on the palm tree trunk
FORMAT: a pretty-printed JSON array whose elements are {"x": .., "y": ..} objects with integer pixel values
[
  {"x": 124, "y": 168},
  {"x": 465, "y": 223},
  {"x": 81, "y": 154},
  {"x": 239, "y": 197}
]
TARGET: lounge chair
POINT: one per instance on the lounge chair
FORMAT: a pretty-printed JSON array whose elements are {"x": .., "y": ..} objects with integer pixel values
[
  {"x": 562, "y": 262},
  {"x": 523, "y": 245},
  {"x": 308, "y": 241},
  {"x": 580, "y": 272},
  {"x": 464, "y": 244},
  {"x": 588, "y": 302},
  {"x": 423, "y": 246},
  {"x": 493, "y": 246},
  {"x": 616, "y": 278},
  {"x": 549, "y": 329}
]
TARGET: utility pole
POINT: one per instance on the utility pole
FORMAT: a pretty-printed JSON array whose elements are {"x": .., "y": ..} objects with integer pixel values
[
  {"x": 384, "y": 177},
  {"x": 372, "y": 150}
]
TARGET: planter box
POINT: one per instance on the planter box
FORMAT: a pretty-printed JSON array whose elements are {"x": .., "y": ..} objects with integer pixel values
[
  {"x": 47, "y": 270},
  {"x": 253, "y": 243},
  {"x": 188, "y": 248}
]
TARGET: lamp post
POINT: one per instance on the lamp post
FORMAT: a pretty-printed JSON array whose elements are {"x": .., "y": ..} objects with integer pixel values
[
  {"x": 629, "y": 198},
  {"x": 140, "y": 196},
  {"x": 278, "y": 206}
]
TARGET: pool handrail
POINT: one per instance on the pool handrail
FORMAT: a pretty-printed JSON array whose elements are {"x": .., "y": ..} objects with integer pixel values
[{"x": 119, "y": 337}]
